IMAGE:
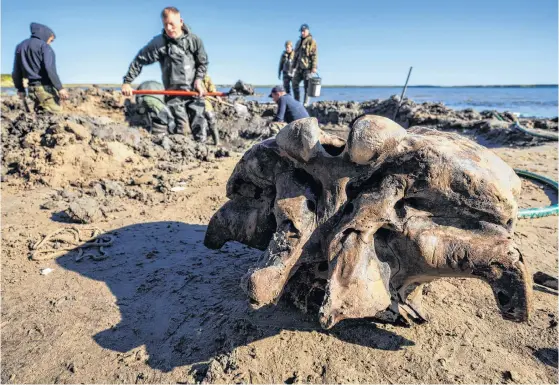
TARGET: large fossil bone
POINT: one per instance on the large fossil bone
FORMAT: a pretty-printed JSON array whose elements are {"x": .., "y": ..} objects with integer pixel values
[{"x": 369, "y": 220}]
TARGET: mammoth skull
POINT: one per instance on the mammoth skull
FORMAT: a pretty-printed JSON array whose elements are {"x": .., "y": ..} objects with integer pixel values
[{"x": 370, "y": 219}]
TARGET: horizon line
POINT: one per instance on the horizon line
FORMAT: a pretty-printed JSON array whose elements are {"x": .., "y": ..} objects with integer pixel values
[
  {"x": 357, "y": 85},
  {"x": 223, "y": 85}
]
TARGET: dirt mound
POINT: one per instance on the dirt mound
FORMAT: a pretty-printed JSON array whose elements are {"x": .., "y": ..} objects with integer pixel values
[
  {"x": 101, "y": 134},
  {"x": 80, "y": 146}
]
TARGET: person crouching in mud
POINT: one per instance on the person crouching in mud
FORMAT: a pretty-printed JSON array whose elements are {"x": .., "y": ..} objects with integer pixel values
[
  {"x": 184, "y": 63},
  {"x": 288, "y": 111},
  {"x": 158, "y": 118}
]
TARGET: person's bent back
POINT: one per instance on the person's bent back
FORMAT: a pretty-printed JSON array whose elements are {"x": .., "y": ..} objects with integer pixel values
[
  {"x": 289, "y": 109},
  {"x": 35, "y": 61}
]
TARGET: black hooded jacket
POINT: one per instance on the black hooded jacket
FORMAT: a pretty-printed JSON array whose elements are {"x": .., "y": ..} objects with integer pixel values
[
  {"x": 35, "y": 60},
  {"x": 182, "y": 60}
]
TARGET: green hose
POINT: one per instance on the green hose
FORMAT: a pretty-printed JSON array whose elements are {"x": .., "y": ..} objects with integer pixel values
[
  {"x": 538, "y": 212},
  {"x": 545, "y": 135}
]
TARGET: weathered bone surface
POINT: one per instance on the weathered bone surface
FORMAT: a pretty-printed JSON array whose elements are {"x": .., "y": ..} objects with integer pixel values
[{"x": 362, "y": 224}]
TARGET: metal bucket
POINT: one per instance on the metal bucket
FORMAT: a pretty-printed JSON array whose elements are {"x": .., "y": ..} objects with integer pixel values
[{"x": 314, "y": 86}]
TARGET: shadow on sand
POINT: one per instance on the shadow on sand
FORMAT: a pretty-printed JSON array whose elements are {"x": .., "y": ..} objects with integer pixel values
[{"x": 184, "y": 303}]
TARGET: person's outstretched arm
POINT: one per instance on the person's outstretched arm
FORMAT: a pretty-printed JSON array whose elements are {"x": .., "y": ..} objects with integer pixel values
[
  {"x": 280, "y": 115},
  {"x": 147, "y": 55}
]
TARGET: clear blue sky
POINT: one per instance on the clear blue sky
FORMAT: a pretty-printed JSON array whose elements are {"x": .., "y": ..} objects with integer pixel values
[{"x": 448, "y": 42}]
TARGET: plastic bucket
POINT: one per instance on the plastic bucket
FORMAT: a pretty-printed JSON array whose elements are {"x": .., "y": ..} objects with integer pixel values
[{"x": 314, "y": 86}]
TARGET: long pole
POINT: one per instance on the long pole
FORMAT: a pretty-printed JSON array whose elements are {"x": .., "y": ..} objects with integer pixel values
[
  {"x": 402, "y": 96},
  {"x": 176, "y": 93}
]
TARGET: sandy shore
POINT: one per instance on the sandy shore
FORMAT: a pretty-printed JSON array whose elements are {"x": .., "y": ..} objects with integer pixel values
[{"x": 163, "y": 308}]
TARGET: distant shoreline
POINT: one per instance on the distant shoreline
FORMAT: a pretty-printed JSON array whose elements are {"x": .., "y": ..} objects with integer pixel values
[
  {"x": 330, "y": 86},
  {"x": 355, "y": 86}
]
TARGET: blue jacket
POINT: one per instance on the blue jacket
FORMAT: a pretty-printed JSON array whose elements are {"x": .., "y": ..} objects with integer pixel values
[
  {"x": 35, "y": 61},
  {"x": 290, "y": 109}
]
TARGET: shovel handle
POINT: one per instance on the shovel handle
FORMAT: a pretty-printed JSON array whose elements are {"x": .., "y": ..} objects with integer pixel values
[{"x": 176, "y": 93}]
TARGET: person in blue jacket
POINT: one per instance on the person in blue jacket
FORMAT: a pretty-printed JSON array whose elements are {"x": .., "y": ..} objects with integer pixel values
[{"x": 289, "y": 109}]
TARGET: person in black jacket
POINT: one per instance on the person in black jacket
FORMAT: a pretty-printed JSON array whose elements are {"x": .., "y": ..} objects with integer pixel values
[
  {"x": 35, "y": 61},
  {"x": 184, "y": 63}
]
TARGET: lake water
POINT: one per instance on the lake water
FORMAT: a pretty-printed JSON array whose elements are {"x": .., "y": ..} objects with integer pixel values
[{"x": 525, "y": 101}]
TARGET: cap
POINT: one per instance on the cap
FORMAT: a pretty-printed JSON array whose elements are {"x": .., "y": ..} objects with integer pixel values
[
  {"x": 304, "y": 26},
  {"x": 276, "y": 89}
]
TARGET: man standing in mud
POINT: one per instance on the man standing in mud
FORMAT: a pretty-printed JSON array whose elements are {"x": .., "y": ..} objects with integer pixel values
[
  {"x": 184, "y": 63},
  {"x": 286, "y": 66},
  {"x": 306, "y": 62},
  {"x": 35, "y": 61}
]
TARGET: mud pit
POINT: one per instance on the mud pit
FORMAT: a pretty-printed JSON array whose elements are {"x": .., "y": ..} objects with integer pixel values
[{"x": 164, "y": 308}]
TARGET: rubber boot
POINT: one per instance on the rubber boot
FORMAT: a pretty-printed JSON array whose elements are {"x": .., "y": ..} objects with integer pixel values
[
  {"x": 212, "y": 123},
  {"x": 215, "y": 134},
  {"x": 307, "y": 99},
  {"x": 158, "y": 129}
]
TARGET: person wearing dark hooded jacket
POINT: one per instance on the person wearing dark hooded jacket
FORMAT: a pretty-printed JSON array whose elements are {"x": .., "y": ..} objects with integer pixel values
[
  {"x": 35, "y": 61},
  {"x": 184, "y": 63}
]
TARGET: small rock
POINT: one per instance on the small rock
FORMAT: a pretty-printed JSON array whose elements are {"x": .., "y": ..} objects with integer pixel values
[
  {"x": 181, "y": 186},
  {"x": 114, "y": 188},
  {"x": 152, "y": 254},
  {"x": 46, "y": 271},
  {"x": 49, "y": 205},
  {"x": 144, "y": 179},
  {"x": 98, "y": 190},
  {"x": 511, "y": 376},
  {"x": 79, "y": 131},
  {"x": 427, "y": 289},
  {"x": 32, "y": 140},
  {"x": 166, "y": 143},
  {"x": 84, "y": 210},
  {"x": 222, "y": 153},
  {"x": 68, "y": 195}
]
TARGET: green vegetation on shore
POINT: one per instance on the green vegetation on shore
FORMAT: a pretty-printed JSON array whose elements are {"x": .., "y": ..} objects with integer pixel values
[{"x": 6, "y": 81}]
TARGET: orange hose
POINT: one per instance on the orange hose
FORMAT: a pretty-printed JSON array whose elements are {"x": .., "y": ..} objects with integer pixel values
[{"x": 175, "y": 93}]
